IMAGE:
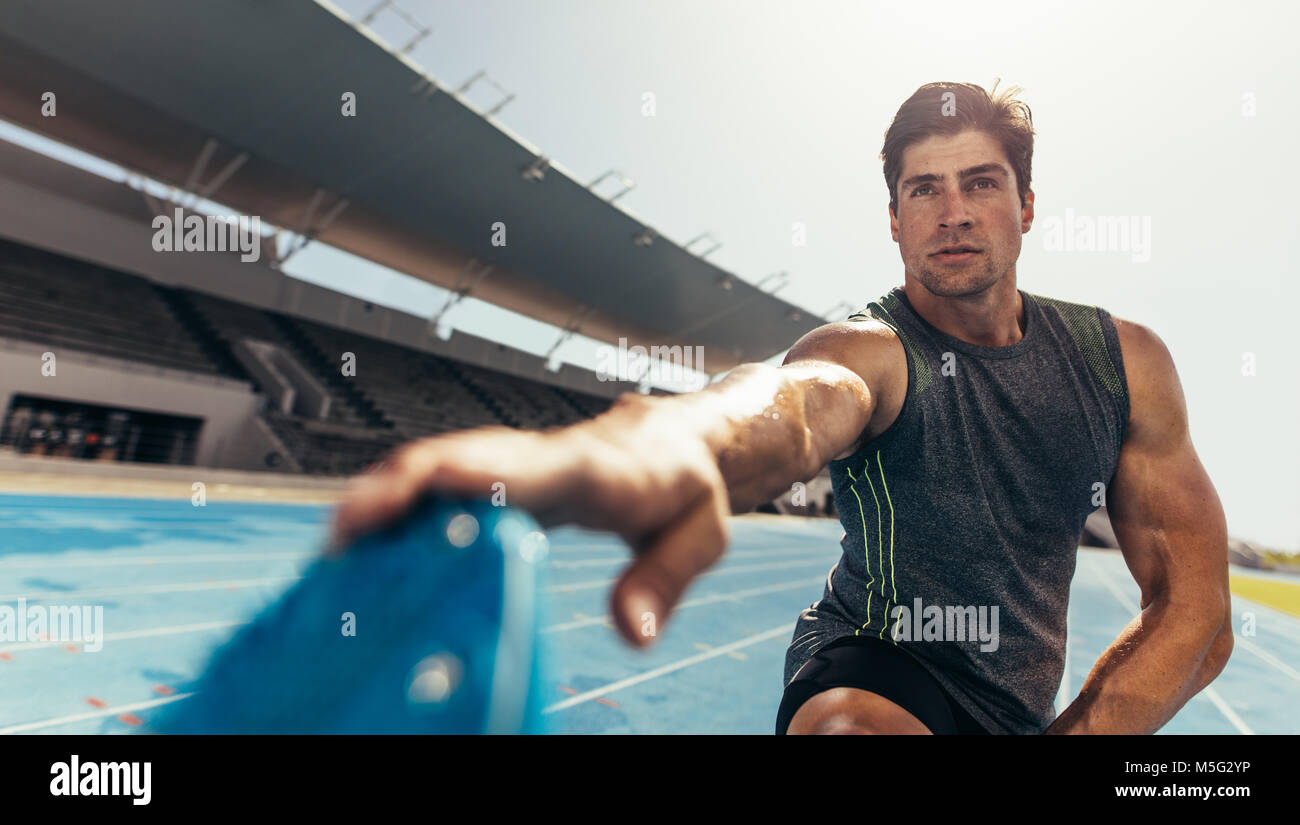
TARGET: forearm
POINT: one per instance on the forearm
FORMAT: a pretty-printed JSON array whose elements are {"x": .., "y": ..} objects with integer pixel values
[
  {"x": 754, "y": 422},
  {"x": 1163, "y": 658}
]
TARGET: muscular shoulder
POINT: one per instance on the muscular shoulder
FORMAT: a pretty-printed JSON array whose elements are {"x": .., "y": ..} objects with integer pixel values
[
  {"x": 1157, "y": 409},
  {"x": 870, "y": 349}
]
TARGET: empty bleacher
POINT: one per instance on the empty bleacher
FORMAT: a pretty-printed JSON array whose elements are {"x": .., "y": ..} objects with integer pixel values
[
  {"x": 588, "y": 406},
  {"x": 232, "y": 322},
  {"x": 424, "y": 394},
  {"x": 396, "y": 394},
  {"x": 414, "y": 390},
  {"x": 59, "y": 302},
  {"x": 324, "y": 449}
]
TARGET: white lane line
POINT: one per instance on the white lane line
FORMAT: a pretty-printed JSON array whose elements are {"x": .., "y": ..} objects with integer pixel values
[
  {"x": 185, "y": 587},
  {"x": 587, "y": 621},
  {"x": 61, "y": 523},
  {"x": 146, "y": 633},
  {"x": 585, "y": 548},
  {"x": 736, "y": 554},
  {"x": 784, "y": 629},
  {"x": 94, "y": 714},
  {"x": 1120, "y": 596},
  {"x": 1266, "y": 656},
  {"x": 1209, "y": 691},
  {"x": 1277, "y": 627},
  {"x": 1233, "y": 718},
  {"x": 751, "y": 568},
  {"x": 21, "y": 564}
]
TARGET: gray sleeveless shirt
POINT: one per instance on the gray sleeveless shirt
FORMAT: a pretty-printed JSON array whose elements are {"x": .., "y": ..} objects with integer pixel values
[{"x": 962, "y": 520}]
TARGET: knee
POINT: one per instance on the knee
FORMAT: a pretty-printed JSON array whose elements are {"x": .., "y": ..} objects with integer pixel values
[
  {"x": 853, "y": 711},
  {"x": 843, "y": 724}
]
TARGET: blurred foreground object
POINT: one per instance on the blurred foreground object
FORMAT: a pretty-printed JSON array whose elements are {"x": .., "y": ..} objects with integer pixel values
[{"x": 445, "y": 610}]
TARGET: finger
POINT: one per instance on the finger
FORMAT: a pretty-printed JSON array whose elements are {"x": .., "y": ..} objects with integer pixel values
[
  {"x": 379, "y": 498},
  {"x": 653, "y": 583},
  {"x": 468, "y": 464},
  {"x": 370, "y": 501}
]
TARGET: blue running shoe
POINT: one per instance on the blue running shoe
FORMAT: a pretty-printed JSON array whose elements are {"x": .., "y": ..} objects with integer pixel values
[{"x": 444, "y": 609}]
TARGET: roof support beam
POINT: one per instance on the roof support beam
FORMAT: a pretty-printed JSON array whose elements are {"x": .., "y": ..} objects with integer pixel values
[
  {"x": 200, "y": 166},
  {"x": 466, "y": 282},
  {"x": 306, "y": 232},
  {"x": 570, "y": 327},
  {"x": 224, "y": 175}
]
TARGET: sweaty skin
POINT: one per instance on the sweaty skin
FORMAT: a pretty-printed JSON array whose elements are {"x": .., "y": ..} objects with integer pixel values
[{"x": 664, "y": 472}]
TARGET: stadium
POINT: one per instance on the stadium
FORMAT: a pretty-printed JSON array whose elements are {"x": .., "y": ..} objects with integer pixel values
[{"x": 179, "y": 414}]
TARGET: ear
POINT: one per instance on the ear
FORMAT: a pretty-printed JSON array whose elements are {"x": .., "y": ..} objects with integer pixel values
[
  {"x": 1027, "y": 212},
  {"x": 893, "y": 224}
]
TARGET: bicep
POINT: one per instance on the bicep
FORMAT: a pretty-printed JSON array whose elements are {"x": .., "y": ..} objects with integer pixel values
[
  {"x": 838, "y": 398},
  {"x": 1163, "y": 507}
]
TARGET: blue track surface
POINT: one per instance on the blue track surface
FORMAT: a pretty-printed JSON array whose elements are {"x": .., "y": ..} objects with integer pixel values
[{"x": 175, "y": 581}]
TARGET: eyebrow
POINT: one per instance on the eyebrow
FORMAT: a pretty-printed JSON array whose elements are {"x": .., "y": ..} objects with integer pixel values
[{"x": 982, "y": 169}]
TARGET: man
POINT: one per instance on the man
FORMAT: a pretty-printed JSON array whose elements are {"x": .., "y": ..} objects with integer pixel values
[{"x": 970, "y": 427}]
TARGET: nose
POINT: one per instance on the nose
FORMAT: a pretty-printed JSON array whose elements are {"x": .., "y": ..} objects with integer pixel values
[{"x": 955, "y": 211}]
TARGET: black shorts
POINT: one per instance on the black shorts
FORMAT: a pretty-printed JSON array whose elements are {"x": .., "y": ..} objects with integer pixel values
[{"x": 883, "y": 668}]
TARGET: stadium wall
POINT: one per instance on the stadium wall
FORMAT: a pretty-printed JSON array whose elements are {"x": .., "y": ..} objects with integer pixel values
[{"x": 230, "y": 437}]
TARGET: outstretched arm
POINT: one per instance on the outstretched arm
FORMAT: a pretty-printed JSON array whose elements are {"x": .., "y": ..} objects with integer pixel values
[
  {"x": 1172, "y": 531},
  {"x": 661, "y": 472}
]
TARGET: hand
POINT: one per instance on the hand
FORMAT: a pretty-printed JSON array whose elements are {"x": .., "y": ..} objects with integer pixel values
[{"x": 627, "y": 472}]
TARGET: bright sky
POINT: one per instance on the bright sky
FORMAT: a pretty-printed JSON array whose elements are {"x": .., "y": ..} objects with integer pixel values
[{"x": 768, "y": 113}]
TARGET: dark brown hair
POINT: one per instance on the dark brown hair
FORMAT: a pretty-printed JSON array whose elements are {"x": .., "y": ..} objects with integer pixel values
[{"x": 926, "y": 113}]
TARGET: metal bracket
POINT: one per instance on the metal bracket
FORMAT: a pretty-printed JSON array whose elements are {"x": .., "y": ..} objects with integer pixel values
[
  {"x": 421, "y": 31},
  {"x": 536, "y": 170},
  {"x": 570, "y": 327},
  {"x": 698, "y": 238},
  {"x": 197, "y": 192},
  {"x": 426, "y": 86},
  {"x": 200, "y": 166},
  {"x": 628, "y": 184},
  {"x": 306, "y": 231},
  {"x": 466, "y": 282},
  {"x": 482, "y": 74},
  {"x": 782, "y": 277},
  {"x": 136, "y": 181},
  {"x": 726, "y": 282}
]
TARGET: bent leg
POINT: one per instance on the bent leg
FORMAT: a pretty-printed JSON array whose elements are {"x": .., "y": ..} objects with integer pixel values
[{"x": 852, "y": 710}]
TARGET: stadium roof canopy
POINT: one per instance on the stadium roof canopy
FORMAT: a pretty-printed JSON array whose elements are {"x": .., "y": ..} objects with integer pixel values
[{"x": 240, "y": 102}]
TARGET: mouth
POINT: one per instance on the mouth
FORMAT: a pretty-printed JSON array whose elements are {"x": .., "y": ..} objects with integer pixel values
[{"x": 954, "y": 254}]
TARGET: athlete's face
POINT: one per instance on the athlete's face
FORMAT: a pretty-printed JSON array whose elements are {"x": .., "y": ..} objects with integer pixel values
[{"x": 959, "y": 191}]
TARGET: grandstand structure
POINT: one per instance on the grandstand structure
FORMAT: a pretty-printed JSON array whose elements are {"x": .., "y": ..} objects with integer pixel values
[{"x": 111, "y": 350}]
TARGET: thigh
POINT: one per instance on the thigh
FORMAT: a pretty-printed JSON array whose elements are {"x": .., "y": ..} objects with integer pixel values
[{"x": 868, "y": 684}]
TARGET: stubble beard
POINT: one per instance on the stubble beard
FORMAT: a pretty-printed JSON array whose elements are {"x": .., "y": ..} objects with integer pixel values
[{"x": 959, "y": 282}]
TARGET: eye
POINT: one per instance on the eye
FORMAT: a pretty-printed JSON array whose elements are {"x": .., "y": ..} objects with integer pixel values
[
  {"x": 917, "y": 190},
  {"x": 989, "y": 181}
]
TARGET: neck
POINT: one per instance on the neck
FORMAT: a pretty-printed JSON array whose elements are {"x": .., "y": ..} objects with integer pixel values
[{"x": 992, "y": 318}]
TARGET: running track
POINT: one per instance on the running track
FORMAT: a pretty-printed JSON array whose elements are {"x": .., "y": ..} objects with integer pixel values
[{"x": 176, "y": 580}]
